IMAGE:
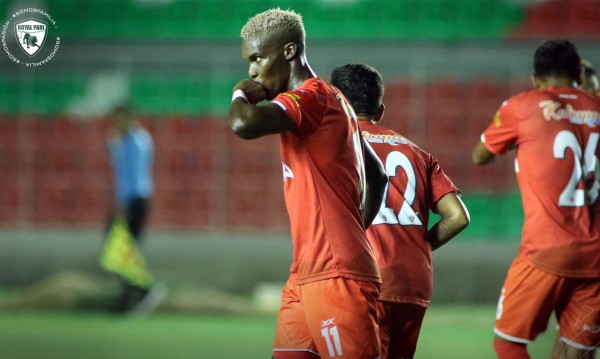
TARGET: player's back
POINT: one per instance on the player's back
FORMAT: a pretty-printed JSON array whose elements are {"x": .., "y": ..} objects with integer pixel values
[
  {"x": 556, "y": 134},
  {"x": 399, "y": 232}
]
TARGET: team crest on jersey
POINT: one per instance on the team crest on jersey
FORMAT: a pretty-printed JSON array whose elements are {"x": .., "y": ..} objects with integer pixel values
[
  {"x": 287, "y": 171},
  {"x": 393, "y": 140},
  {"x": 497, "y": 120}
]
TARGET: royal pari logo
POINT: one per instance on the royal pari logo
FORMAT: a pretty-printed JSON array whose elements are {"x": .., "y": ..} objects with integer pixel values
[{"x": 31, "y": 35}]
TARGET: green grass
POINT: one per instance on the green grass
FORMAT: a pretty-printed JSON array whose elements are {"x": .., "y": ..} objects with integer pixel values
[
  {"x": 448, "y": 332},
  {"x": 454, "y": 332}
]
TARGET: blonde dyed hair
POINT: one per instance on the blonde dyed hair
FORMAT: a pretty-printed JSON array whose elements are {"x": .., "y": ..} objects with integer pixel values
[{"x": 281, "y": 25}]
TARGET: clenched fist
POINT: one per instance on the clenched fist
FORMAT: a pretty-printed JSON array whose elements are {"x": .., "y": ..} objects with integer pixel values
[{"x": 255, "y": 91}]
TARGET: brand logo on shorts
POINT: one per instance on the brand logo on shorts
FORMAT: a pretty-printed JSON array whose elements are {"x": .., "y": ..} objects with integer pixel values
[
  {"x": 327, "y": 322},
  {"x": 500, "y": 307},
  {"x": 332, "y": 337},
  {"x": 594, "y": 328},
  {"x": 287, "y": 171}
]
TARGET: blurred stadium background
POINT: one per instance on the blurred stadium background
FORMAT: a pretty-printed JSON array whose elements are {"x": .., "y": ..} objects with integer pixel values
[{"x": 218, "y": 230}]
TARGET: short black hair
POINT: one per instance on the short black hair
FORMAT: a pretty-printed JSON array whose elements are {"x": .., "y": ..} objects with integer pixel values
[
  {"x": 361, "y": 84},
  {"x": 557, "y": 58}
]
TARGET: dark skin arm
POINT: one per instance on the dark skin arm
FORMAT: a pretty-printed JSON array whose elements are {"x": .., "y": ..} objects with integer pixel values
[
  {"x": 249, "y": 121},
  {"x": 481, "y": 155},
  {"x": 455, "y": 218},
  {"x": 376, "y": 182}
]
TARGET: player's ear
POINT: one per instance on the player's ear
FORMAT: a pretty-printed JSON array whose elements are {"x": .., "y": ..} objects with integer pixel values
[
  {"x": 379, "y": 114},
  {"x": 289, "y": 50}
]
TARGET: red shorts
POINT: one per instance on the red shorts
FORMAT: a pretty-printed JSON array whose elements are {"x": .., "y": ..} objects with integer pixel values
[
  {"x": 399, "y": 327},
  {"x": 331, "y": 318},
  {"x": 529, "y": 297}
]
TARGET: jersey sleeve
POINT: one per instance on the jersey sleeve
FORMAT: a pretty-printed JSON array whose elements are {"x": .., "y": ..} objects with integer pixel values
[
  {"x": 439, "y": 183},
  {"x": 502, "y": 133},
  {"x": 303, "y": 107}
]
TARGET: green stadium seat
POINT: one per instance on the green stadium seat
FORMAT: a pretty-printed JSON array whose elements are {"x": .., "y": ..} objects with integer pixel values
[{"x": 129, "y": 20}]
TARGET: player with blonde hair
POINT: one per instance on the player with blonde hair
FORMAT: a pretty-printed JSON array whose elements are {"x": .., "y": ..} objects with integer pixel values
[{"x": 333, "y": 186}]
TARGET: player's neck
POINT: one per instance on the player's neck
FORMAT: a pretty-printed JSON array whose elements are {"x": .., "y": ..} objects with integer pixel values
[
  {"x": 300, "y": 72},
  {"x": 365, "y": 118},
  {"x": 556, "y": 82}
]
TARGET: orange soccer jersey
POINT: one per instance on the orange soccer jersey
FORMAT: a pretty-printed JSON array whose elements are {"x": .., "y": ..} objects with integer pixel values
[
  {"x": 399, "y": 232},
  {"x": 556, "y": 133},
  {"x": 324, "y": 180}
]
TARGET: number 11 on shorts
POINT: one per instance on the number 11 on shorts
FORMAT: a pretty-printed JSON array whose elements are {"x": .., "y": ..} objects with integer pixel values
[{"x": 331, "y": 334}]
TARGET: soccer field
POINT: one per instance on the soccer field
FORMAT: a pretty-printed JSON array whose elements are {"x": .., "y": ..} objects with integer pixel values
[{"x": 448, "y": 332}]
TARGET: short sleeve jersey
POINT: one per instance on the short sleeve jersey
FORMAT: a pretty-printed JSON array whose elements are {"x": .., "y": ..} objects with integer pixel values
[
  {"x": 324, "y": 181},
  {"x": 131, "y": 158},
  {"x": 555, "y": 133},
  {"x": 399, "y": 232}
]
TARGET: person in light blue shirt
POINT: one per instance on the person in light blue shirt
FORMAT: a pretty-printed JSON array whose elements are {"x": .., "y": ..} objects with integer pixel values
[{"x": 131, "y": 152}]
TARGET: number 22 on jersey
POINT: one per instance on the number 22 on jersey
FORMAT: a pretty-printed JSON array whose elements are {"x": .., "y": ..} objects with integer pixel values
[{"x": 406, "y": 214}]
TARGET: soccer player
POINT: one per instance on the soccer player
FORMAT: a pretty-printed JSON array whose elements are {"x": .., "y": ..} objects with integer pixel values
[
  {"x": 399, "y": 234},
  {"x": 554, "y": 129},
  {"x": 330, "y": 300},
  {"x": 590, "y": 82}
]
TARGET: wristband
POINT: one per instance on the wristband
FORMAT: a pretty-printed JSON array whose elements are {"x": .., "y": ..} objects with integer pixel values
[{"x": 239, "y": 93}]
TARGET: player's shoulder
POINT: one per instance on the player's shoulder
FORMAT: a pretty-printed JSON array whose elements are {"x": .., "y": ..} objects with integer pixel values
[
  {"x": 139, "y": 130},
  {"x": 310, "y": 92},
  {"x": 550, "y": 94},
  {"x": 589, "y": 98},
  {"x": 525, "y": 97},
  {"x": 311, "y": 86},
  {"x": 522, "y": 103},
  {"x": 141, "y": 135}
]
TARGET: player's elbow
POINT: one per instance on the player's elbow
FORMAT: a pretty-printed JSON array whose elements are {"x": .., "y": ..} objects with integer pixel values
[
  {"x": 462, "y": 221},
  {"x": 478, "y": 160},
  {"x": 460, "y": 218},
  {"x": 481, "y": 155},
  {"x": 242, "y": 129}
]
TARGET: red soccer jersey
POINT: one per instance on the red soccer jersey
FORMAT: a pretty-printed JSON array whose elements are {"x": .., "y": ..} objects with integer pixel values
[
  {"x": 323, "y": 172},
  {"x": 399, "y": 232},
  {"x": 556, "y": 135}
]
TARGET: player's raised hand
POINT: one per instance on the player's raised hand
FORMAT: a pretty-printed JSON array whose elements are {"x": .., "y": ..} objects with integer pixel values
[{"x": 253, "y": 90}]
